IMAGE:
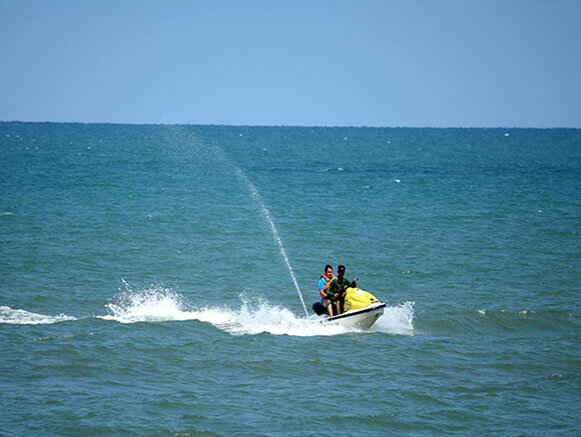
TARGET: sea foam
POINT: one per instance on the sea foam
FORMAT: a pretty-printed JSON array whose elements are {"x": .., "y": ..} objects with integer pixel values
[
  {"x": 21, "y": 317},
  {"x": 398, "y": 319}
]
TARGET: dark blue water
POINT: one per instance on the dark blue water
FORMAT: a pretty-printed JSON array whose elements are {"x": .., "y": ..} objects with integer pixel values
[{"x": 151, "y": 279}]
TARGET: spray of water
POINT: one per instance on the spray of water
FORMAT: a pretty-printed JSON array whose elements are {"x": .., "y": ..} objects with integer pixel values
[
  {"x": 158, "y": 304},
  {"x": 243, "y": 180},
  {"x": 258, "y": 199}
]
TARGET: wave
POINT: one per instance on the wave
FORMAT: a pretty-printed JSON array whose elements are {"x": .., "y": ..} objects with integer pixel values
[
  {"x": 254, "y": 316},
  {"x": 21, "y": 317},
  {"x": 484, "y": 320}
]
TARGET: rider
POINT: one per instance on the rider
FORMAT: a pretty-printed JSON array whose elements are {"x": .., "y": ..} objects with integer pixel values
[
  {"x": 336, "y": 288},
  {"x": 323, "y": 284}
]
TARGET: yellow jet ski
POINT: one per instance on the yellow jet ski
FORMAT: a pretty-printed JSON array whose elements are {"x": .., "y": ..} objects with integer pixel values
[{"x": 361, "y": 309}]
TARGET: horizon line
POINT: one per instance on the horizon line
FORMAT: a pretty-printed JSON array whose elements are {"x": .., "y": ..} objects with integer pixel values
[{"x": 362, "y": 126}]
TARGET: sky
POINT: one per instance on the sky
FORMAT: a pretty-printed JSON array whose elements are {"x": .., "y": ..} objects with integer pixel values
[{"x": 432, "y": 63}]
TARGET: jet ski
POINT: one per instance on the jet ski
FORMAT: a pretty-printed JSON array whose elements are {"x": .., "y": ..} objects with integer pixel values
[{"x": 361, "y": 310}]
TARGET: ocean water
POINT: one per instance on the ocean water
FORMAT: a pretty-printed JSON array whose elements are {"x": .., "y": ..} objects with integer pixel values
[{"x": 152, "y": 279}]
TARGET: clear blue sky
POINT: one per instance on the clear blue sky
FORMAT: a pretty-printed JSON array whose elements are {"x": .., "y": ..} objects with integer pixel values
[{"x": 374, "y": 63}]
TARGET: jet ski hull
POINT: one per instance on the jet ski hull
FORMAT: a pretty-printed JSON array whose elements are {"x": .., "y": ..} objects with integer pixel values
[{"x": 362, "y": 318}]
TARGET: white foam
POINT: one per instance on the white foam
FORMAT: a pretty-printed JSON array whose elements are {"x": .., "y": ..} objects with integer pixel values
[
  {"x": 22, "y": 317},
  {"x": 254, "y": 316},
  {"x": 397, "y": 319},
  {"x": 155, "y": 304},
  {"x": 158, "y": 304},
  {"x": 262, "y": 317},
  {"x": 524, "y": 312}
]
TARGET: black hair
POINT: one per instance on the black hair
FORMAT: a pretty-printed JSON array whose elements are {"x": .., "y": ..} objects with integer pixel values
[
  {"x": 340, "y": 268},
  {"x": 328, "y": 267}
]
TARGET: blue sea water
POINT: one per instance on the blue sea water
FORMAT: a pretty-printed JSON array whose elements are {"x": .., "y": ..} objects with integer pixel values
[{"x": 151, "y": 280}]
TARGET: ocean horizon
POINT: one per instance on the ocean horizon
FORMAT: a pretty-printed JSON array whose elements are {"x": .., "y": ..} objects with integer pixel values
[{"x": 183, "y": 124}]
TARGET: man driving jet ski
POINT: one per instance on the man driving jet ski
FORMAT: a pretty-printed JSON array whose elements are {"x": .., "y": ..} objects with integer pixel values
[{"x": 336, "y": 289}]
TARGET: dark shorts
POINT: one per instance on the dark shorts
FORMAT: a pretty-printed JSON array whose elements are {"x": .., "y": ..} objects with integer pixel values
[{"x": 327, "y": 302}]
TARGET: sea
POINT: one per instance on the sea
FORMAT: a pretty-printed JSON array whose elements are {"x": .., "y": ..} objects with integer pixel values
[{"x": 158, "y": 280}]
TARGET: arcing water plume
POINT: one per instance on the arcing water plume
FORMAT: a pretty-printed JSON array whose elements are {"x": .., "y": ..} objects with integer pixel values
[
  {"x": 220, "y": 155},
  {"x": 258, "y": 199}
]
